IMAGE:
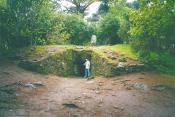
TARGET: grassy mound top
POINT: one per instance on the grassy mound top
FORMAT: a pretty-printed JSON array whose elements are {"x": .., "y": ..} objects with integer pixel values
[
  {"x": 37, "y": 52},
  {"x": 68, "y": 60}
]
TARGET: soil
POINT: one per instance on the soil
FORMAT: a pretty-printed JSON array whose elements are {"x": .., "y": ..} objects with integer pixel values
[{"x": 144, "y": 94}]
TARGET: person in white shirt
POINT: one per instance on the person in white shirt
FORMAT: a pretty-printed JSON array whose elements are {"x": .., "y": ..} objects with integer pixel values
[{"x": 87, "y": 65}]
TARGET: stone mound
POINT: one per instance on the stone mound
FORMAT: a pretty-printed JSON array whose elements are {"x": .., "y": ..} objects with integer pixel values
[{"x": 69, "y": 62}]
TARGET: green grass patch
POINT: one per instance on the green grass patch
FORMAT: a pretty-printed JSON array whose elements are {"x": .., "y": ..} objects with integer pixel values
[
  {"x": 124, "y": 49},
  {"x": 34, "y": 52}
]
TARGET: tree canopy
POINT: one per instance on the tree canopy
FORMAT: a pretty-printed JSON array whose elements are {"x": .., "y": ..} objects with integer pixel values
[
  {"x": 77, "y": 6},
  {"x": 153, "y": 29},
  {"x": 147, "y": 25}
]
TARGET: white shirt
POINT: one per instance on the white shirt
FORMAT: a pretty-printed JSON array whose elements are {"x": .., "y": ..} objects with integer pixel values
[{"x": 87, "y": 64}]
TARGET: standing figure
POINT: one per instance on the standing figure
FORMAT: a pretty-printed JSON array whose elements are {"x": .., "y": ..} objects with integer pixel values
[
  {"x": 87, "y": 68},
  {"x": 93, "y": 40}
]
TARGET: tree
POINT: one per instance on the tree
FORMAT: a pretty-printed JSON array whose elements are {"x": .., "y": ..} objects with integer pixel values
[
  {"x": 94, "y": 18},
  {"x": 153, "y": 26},
  {"x": 115, "y": 25},
  {"x": 56, "y": 34},
  {"x": 78, "y": 6},
  {"x": 134, "y": 4},
  {"x": 26, "y": 22},
  {"x": 104, "y": 7},
  {"x": 79, "y": 31},
  {"x": 107, "y": 30},
  {"x": 121, "y": 12}
]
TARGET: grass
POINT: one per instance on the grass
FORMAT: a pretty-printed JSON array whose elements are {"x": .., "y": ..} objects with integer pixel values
[
  {"x": 35, "y": 52},
  {"x": 124, "y": 49}
]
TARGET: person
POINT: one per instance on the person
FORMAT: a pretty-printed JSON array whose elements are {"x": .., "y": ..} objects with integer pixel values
[{"x": 87, "y": 65}]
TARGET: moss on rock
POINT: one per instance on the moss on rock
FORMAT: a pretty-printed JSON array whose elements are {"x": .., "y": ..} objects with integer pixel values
[{"x": 69, "y": 62}]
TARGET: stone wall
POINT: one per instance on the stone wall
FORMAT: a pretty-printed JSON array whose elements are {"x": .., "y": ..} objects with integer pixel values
[{"x": 69, "y": 62}]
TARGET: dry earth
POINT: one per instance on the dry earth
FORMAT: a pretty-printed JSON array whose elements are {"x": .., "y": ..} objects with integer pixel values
[{"x": 143, "y": 94}]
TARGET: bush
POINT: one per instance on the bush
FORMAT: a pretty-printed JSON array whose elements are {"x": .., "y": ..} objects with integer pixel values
[
  {"x": 79, "y": 31},
  {"x": 162, "y": 62},
  {"x": 153, "y": 26},
  {"x": 107, "y": 30}
]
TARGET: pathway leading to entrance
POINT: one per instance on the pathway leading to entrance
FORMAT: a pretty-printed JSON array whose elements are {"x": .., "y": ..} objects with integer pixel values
[{"x": 134, "y": 95}]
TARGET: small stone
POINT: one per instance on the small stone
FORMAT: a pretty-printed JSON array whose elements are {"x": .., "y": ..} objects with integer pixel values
[
  {"x": 100, "y": 84},
  {"x": 141, "y": 86},
  {"x": 39, "y": 83},
  {"x": 101, "y": 100},
  {"x": 70, "y": 105},
  {"x": 159, "y": 87},
  {"x": 87, "y": 97},
  {"x": 116, "y": 107},
  {"x": 90, "y": 82},
  {"x": 84, "y": 94},
  {"x": 17, "y": 95},
  {"x": 97, "y": 92},
  {"x": 122, "y": 65},
  {"x": 29, "y": 85},
  {"x": 128, "y": 88},
  {"x": 122, "y": 108},
  {"x": 114, "y": 84},
  {"x": 74, "y": 115},
  {"x": 143, "y": 73},
  {"x": 77, "y": 98},
  {"x": 126, "y": 80},
  {"x": 97, "y": 88}
]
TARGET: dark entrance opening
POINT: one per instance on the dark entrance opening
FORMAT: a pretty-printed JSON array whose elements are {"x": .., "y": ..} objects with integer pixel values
[{"x": 79, "y": 60}]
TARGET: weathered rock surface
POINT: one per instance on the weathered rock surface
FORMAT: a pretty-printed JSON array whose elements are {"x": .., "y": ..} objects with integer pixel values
[{"x": 69, "y": 62}]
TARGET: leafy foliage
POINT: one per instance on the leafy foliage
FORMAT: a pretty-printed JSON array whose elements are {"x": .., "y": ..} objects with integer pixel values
[
  {"x": 153, "y": 30},
  {"x": 107, "y": 31},
  {"x": 80, "y": 32},
  {"x": 135, "y": 4},
  {"x": 34, "y": 22},
  {"x": 121, "y": 11},
  {"x": 22, "y": 22},
  {"x": 152, "y": 33},
  {"x": 114, "y": 27},
  {"x": 78, "y": 6},
  {"x": 162, "y": 62},
  {"x": 104, "y": 7}
]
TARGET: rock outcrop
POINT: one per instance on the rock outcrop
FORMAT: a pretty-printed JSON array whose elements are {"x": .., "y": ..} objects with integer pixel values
[{"x": 69, "y": 62}]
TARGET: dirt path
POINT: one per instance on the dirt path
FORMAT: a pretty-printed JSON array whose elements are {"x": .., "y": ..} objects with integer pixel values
[{"x": 134, "y": 95}]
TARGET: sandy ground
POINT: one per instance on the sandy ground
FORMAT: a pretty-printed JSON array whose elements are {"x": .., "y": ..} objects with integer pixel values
[{"x": 143, "y": 94}]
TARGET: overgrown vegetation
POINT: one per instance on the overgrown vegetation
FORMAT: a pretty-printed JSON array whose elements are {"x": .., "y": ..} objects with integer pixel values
[
  {"x": 148, "y": 26},
  {"x": 66, "y": 61},
  {"x": 152, "y": 34}
]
